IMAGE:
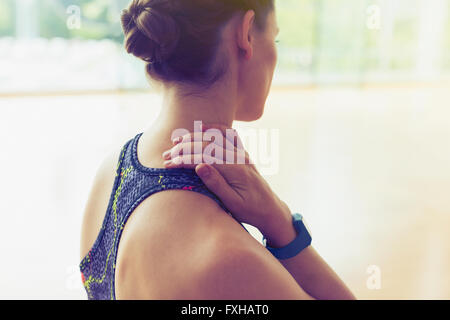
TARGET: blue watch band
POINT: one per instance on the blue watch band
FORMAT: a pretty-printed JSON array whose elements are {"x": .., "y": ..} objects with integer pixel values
[{"x": 302, "y": 240}]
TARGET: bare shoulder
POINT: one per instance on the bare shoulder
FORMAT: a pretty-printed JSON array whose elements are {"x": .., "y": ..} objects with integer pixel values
[
  {"x": 236, "y": 271},
  {"x": 182, "y": 245},
  {"x": 167, "y": 241},
  {"x": 98, "y": 199}
]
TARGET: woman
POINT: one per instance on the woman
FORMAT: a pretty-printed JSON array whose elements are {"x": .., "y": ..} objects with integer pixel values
[{"x": 214, "y": 61}]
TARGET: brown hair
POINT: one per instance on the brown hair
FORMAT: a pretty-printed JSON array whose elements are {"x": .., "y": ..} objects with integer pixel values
[{"x": 179, "y": 38}]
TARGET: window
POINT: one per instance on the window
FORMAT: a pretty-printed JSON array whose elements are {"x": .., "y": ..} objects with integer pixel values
[{"x": 78, "y": 44}]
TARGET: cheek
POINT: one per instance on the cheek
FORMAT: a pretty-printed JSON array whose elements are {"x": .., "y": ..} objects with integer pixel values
[
  {"x": 270, "y": 58},
  {"x": 259, "y": 83},
  {"x": 273, "y": 57},
  {"x": 271, "y": 62}
]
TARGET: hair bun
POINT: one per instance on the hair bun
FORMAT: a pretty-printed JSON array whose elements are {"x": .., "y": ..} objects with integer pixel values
[{"x": 151, "y": 33}]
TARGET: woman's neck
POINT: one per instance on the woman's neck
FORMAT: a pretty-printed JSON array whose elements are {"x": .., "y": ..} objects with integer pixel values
[
  {"x": 181, "y": 112},
  {"x": 214, "y": 106},
  {"x": 217, "y": 105}
]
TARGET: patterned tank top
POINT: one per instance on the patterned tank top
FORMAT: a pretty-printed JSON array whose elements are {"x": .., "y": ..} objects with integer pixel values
[{"x": 132, "y": 185}]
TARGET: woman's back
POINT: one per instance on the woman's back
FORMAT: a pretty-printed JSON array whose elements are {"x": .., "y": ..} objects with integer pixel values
[
  {"x": 215, "y": 61},
  {"x": 126, "y": 189}
]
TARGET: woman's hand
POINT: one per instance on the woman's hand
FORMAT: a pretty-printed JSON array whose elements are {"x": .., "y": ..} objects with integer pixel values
[
  {"x": 227, "y": 170},
  {"x": 250, "y": 200}
]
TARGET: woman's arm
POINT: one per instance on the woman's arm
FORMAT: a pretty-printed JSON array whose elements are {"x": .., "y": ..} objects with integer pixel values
[
  {"x": 250, "y": 199},
  {"x": 201, "y": 254},
  {"x": 308, "y": 268},
  {"x": 314, "y": 275}
]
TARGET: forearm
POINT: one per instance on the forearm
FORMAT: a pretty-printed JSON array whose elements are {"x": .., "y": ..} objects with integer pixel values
[
  {"x": 308, "y": 268},
  {"x": 314, "y": 275}
]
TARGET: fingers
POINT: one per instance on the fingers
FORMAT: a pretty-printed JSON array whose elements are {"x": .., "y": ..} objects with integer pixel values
[
  {"x": 218, "y": 185},
  {"x": 198, "y": 148},
  {"x": 187, "y": 154},
  {"x": 195, "y": 147},
  {"x": 208, "y": 147},
  {"x": 190, "y": 161}
]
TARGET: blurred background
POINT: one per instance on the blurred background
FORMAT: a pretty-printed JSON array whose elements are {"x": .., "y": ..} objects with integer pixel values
[{"x": 360, "y": 100}]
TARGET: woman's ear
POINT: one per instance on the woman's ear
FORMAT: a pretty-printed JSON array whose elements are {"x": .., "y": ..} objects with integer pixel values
[{"x": 244, "y": 34}]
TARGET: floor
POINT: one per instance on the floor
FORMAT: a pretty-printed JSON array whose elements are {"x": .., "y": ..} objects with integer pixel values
[{"x": 367, "y": 167}]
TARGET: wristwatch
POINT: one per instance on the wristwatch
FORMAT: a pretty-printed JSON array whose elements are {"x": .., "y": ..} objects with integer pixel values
[{"x": 302, "y": 240}]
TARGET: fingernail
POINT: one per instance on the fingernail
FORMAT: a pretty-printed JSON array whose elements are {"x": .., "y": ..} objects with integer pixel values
[
  {"x": 177, "y": 140},
  {"x": 167, "y": 155},
  {"x": 203, "y": 172},
  {"x": 167, "y": 163}
]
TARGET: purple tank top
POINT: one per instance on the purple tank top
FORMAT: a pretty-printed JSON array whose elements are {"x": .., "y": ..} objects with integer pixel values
[{"x": 132, "y": 185}]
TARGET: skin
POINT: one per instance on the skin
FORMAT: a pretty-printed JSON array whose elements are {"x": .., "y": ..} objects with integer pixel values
[
  {"x": 194, "y": 241},
  {"x": 243, "y": 190}
]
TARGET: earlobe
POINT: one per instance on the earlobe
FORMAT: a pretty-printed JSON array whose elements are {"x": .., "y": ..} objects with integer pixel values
[
  {"x": 246, "y": 51},
  {"x": 246, "y": 48},
  {"x": 249, "y": 53}
]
